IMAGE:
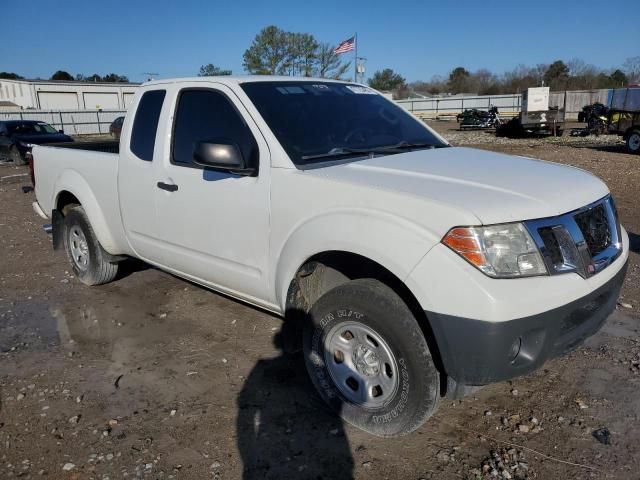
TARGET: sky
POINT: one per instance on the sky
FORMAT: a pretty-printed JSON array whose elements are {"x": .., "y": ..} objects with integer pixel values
[{"x": 418, "y": 39}]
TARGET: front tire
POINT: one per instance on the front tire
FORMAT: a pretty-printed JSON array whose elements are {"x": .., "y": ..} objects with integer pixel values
[
  {"x": 368, "y": 359},
  {"x": 633, "y": 141},
  {"x": 87, "y": 257}
]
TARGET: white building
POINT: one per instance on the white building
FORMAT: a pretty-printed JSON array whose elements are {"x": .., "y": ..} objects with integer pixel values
[{"x": 64, "y": 95}]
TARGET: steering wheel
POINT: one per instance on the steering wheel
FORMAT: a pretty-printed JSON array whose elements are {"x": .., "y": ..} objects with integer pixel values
[{"x": 360, "y": 134}]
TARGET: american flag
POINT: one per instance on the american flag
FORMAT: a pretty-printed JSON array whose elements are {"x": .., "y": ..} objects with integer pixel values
[{"x": 347, "y": 46}]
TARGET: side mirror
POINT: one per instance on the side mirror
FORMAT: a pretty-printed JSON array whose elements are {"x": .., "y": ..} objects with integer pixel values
[
  {"x": 223, "y": 155},
  {"x": 60, "y": 131}
]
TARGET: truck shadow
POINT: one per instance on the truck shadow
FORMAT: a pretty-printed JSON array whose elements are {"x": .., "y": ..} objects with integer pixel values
[
  {"x": 284, "y": 430},
  {"x": 617, "y": 148},
  {"x": 131, "y": 266},
  {"x": 634, "y": 242}
]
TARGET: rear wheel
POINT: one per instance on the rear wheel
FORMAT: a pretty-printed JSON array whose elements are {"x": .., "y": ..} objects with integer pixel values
[
  {"x": 368, "y": 359},
  {"x": 87, "y": 257},
  {"x": 16, "y": 157},
  {"x": 633, "y": 141}
]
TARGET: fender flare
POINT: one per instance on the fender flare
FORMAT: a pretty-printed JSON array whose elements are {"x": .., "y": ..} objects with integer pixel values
[
  {"x": 393, "y": 242},
  {"x": 71, "y": 181}
]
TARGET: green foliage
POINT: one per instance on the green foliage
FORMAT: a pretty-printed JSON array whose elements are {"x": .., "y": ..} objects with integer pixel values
[
  {"x": 62, "y": 75},
  {"x": 110, "y": 78},
  {"x": 302, "y": 50},
  {"x": 328, "y": 63},
  {"x": 115, "y": 78},
  {"x": 572, "y": 75},
  {"x": 276, "y": 52},
  {"x": 210, "y": 70},
  {"x": 387, "y": 80},
  {"x": 459, "y": 80},
  {"x": 618, "y": 79},
  {"x": 557, "y": 76},
  {"x": 268, "y": 53},
  {"x": 10, "y": 76}
]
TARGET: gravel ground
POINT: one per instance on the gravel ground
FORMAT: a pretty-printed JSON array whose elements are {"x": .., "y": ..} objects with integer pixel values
[{"x": 153, "y": 377}]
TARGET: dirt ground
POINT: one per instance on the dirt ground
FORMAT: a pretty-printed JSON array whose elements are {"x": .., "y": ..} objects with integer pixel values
[{"x": 153, "y": 377}]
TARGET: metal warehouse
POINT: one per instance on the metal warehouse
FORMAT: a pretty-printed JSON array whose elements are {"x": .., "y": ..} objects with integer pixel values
[{"x": 66, "y": 95}]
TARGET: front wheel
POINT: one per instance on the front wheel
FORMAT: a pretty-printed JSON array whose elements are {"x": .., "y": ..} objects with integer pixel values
[
  {"x": 633, "y": 142},
  {"x": 368, "y": 359},
  {"x": 87, "y": 257}
]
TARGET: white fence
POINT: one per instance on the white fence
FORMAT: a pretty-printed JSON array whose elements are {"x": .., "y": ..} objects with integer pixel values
[
  {"x": 73, "y": 122},
  {"x": 572, "y": 101}
]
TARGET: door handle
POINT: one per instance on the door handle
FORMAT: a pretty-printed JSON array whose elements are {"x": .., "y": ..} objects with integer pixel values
[{"x": 169, "y": 187}]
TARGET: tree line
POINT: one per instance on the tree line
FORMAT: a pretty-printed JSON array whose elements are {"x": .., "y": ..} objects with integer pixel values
[
  {"x": 575, "y": 74},
  {"x": 62, "y": 75}
]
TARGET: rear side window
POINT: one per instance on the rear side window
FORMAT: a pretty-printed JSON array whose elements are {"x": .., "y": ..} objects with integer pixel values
[
  {"x": 207, "y": 115},
  {"x": 145, "y": 125}
]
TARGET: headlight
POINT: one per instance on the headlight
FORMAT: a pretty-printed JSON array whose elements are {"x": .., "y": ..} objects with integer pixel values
[{"x": 500, "y": 251}]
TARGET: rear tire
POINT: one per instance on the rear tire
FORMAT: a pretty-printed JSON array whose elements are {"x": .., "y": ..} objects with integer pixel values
[
  {"x": 16, "y": 157},
  {"x": 368, "y": 359},
  {"x": 633, "y": 141},
  {"x": 87, "y": 257}
]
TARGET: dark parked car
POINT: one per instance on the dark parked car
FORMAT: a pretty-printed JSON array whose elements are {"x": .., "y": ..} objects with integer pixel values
[
  {"x": 116, "y": 127},
  {"x": 17, "y": 136}
]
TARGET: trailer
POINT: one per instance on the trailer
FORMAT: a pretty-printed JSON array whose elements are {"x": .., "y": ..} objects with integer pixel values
[
  {"x": 536, "y": 117},
  {"x": 624, "y": 116}
]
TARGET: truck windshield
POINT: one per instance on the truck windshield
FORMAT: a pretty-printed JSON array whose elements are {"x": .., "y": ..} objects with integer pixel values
[{"x": 323, "y": 121}]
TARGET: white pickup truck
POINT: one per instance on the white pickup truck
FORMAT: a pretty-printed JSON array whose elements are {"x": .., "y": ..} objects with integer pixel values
[{"x": 411, "y": 269}]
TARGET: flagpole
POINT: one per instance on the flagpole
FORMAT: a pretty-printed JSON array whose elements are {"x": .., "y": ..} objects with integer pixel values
[{"x": 355, "y": 66}]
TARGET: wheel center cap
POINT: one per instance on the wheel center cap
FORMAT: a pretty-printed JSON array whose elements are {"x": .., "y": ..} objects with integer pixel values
[{"x": 366, "y": 361}]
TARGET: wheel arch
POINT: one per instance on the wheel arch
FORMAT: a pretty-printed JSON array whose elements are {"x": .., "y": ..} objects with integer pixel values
[
  {"x": 72, "y": 189},
  {"x": 326, "y": 270}
]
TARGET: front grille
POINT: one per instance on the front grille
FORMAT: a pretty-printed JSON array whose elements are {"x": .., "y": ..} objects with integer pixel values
[
  {"x": 594, "y": 226},
  {"x": 551, "y": 245},
  {"x": 584, "y": 241}
]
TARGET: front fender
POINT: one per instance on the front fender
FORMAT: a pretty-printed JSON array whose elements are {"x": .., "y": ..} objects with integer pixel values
[
  {"x": 71, "y": 181},
  {"x": 394, "y": 242}
]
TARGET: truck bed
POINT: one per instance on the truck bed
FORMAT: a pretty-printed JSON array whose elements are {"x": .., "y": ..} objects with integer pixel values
[
  {"x": 106, "y": 146},
  {"x": 91, "y": 175}
]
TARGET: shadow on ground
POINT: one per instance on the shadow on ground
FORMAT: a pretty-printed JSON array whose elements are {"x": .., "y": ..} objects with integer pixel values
[
  {"x": 634, "y": 242},
  {"x": 617, "y": 148},
  {"x": 284, "y": 429}
]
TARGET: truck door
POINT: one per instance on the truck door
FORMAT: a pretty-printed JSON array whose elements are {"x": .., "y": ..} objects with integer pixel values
[
  {"x": 214, "y": 225},
  {"x": 137, "y": 172}
]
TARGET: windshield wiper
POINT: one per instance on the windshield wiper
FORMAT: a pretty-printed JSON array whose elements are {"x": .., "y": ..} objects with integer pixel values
[
  {"x": 341, "y": 151},
  {"x": 338, "y": 152}
]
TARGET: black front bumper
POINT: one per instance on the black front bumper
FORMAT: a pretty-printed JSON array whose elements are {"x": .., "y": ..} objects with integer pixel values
[{"x": 476, "y": 352}]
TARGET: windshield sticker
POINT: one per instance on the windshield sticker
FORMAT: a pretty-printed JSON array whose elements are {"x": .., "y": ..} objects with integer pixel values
[
  {"x": 287, "y": 90},
  {"x": 361, "y": 90}
]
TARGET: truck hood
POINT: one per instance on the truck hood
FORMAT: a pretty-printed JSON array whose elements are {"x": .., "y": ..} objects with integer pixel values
[{"x": 492, "y": 186}]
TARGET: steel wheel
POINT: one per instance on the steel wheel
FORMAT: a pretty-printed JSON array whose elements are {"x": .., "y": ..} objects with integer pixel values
[
  {"x": 361, "y": 364},
  {"x": 633, "y": 142},
  {"x": 79, "y": 248}
]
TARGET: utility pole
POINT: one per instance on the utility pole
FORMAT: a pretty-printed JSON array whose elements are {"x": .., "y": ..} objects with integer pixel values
[
  {"x": 355, "y": 66},
  {"x": 360, "y": 69}
]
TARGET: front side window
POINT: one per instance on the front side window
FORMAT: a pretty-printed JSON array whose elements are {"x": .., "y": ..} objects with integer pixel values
[
  {"x": 145, "y": 124},
  {"x": 208, "y": 115},
  {"x": 44, "y": 128},
  {"x": 320, "y": 121}
]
